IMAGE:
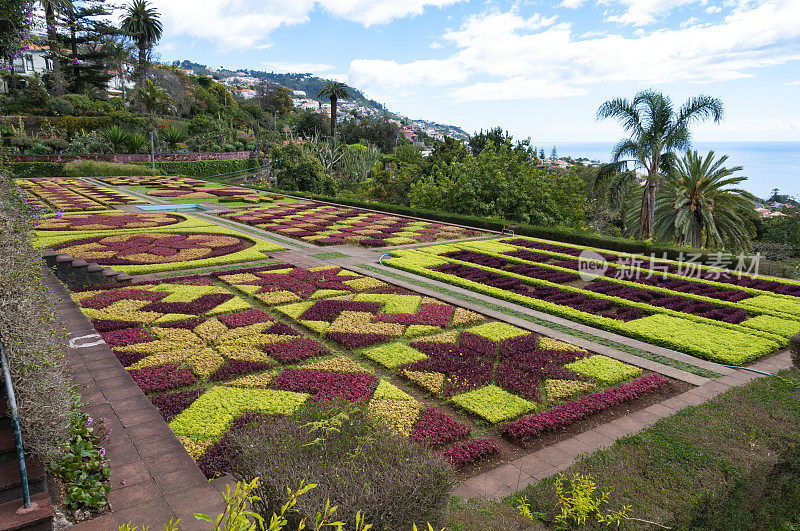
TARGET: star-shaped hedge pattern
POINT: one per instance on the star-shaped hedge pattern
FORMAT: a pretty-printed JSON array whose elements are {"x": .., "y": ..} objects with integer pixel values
[
  {"x": 364, "y": 319},
  {"x": 281, "y": 284}
]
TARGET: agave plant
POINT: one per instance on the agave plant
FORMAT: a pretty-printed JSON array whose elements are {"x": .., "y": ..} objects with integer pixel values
[
  {"x": 136, "y": 141},
  {"x": 173, "y": 136},
  {"x": 116, "y": 136}
]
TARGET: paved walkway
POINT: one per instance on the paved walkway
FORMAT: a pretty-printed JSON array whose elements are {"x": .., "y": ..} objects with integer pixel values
[{"x": 516, "y": 475}]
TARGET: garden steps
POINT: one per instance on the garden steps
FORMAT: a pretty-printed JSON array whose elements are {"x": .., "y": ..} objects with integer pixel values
[{"x": 13, "y": 516}]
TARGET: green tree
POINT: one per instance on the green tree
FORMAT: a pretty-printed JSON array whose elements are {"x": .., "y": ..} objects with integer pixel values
[
  {"x": 274, "y": 99},
  {"x": 117, "y": 53},
  {"x": 697, "y": 205},
  {"x": 51, "y": 9},
  {"x": 307, "y": 124},
  {"x": 333, "y": 90},
  {"x": 295, "y": 168},
  {"x": 657, "y": 133},
  {"x": 498, "y": 183},
  {"x": 142, "y": 23}
]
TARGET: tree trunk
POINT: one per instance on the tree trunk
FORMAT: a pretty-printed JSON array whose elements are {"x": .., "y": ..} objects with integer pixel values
[
  {"x": 74, "y": 41},
  {"x": 142, "y": 64},
  {"x": 333, "y": 115},
  {"x": 56, "y": 81},
  {"x": 645, "y": 224}
]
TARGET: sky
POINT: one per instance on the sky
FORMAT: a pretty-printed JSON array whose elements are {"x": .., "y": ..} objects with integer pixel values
[{"x": 537, "y": 69}]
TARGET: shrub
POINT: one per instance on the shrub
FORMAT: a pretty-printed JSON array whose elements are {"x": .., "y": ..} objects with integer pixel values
[
  {"x": 207, "y": 168},
  {"x": 81, "y": 102},
  {"x": 95, "y": 168},
  {"x": 356, "y": 463},
  {"x": 32, "y": 333},
  {"x": 116, "y": 136},
  {"x": 794, "y": 349},
  {"x": 60, "y": 106},
  {"x": 135, "y": 142}
]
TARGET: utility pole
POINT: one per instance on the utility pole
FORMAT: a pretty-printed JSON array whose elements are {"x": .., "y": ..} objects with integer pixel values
[{"x": 153, "y": 152}]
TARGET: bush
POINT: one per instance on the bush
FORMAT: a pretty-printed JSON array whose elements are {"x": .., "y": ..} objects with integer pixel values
[
  {"x": 794, "y": 350},
  {"x": 357, "y": 464},
  {"x": 94, "y": 168},
  {"x": 207, "y": 168},
  {"x": 36, "y": 169},
  {"x": 60, "y": 106},
  {"x": 39, "y": 149},
  {"x": 31, "y": 331},
  {"x": 80, "y": 102}
]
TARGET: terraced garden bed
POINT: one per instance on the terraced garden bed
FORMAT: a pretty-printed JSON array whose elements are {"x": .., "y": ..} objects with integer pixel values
[
  {"x": 332, "y": 225},
  {"x": 69, "y": 194},
  {"x": 700, "y": 316},
  {"x": 174, "y": 242},
  {"x": 208, "y": 349}
]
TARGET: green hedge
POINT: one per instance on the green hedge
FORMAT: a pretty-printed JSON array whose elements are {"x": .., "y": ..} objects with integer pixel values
[
  {"x": 207, "y": 168},
  {"x": 192, "y": 168}
]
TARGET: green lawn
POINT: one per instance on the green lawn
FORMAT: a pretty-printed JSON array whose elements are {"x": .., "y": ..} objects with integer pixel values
[{"x": 730, "y": 463}]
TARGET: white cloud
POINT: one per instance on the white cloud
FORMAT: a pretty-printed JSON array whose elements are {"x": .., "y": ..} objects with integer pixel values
[
  {"x": 713, "y": 9},
  {"x": 506, "y": 56},
  {"x": 571, "y": 4},
  {"x": 369, "y": 12},
  {"x": 792, "y": 83},
  {"x": 239, "y": 24},
  {"x": 643, "y": 12},
  {"x": 691, "y": 21},
  {"x": 283, "y": 66}
]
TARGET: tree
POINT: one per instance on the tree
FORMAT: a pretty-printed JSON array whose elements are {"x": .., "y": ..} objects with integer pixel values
[
  {"x": 142, "y": 23},
  {"x": 118, "y": 52},
  {"x": 554, "y": 153},
  {"x": 273, "y": 98},
  {"x": 657, "y": 133},
  {"x": 306, "y": 124},
  {"x": 15, "y": 32},
  {"x": 51, "y": 9},
  {"x": 698, "y": 207},
  {"x": 333, "y": 90},
  {"x": 90, "y": 30}
]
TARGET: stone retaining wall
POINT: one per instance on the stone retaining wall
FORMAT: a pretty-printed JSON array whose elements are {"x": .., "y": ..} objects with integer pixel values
[
  {"x": 78, "y": 272},
  {"x": 130, "y": 158}
]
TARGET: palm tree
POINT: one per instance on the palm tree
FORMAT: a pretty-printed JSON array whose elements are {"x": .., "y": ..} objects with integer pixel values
[
  {"x": 51, "y": 7},
  {"x": 333, "y": 90},
  {"x": 142, "y": 23},
  {"x": 657, "y": 132},
  {"x": 118, "y": 52},
  {"x": 698, "y": 207}
]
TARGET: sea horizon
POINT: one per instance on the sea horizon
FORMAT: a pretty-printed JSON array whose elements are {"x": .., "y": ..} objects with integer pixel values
[{"x": 766, "y": 164}]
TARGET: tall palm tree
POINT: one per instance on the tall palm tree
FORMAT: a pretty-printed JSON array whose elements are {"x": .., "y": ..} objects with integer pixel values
[
  {"x": 333, "y": 90},
  {"x": 142, "y": 23},
  {"x": 697, "y": 206},
  {"x": 657, "y": 133},
  {"x": 51, "y": 8}
]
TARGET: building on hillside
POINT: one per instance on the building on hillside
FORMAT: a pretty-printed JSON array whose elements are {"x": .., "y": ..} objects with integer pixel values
[
  {"x": 34, "y": 61},
  {"x": 299, "y": 93},
  {"x": 245, "y": 93},
  {"x": 305, "y": 104}
]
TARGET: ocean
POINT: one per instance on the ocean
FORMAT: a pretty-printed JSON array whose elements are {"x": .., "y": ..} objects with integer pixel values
[{"x": 767, "y": 165}]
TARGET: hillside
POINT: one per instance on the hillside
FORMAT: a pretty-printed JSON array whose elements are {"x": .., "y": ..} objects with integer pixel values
[{"x": 311, "y": 85}]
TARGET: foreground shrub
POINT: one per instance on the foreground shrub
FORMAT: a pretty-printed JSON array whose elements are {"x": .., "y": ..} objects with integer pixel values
[
  {"x": 31, "y": 331},
  {"x": 358, "y": 464}
]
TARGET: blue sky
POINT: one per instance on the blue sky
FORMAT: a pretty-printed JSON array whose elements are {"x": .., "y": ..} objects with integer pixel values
[{"x": 538, "y": 69}]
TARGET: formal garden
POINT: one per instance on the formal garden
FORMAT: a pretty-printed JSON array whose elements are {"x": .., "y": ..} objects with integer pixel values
[{"x": 301, "y": 343}]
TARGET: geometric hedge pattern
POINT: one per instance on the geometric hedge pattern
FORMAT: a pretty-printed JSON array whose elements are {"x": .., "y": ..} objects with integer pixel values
[{"x": 332, "y": 225}]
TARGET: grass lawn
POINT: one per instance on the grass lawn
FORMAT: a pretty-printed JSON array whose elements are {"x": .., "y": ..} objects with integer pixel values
[{"x": 730, "y": 463}]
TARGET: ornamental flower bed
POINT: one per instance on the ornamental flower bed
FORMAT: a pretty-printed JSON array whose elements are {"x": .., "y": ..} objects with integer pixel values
[
  {"x": 190, "y": 244},
  {"x": 332, "y": 225},
  {"x": 527, "y": 428},
  {"x": 231, "y": 194},
  {"x": 721, "y": 324},
  {"x": 363, "y": 319},
  {"x": 111, "y": 220},
  {"x": 274, "y": 285},
  {"x": 498, "y": 372},
  {"x": 71, "y": 194},
  {"x": 152, "y": 182}
]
